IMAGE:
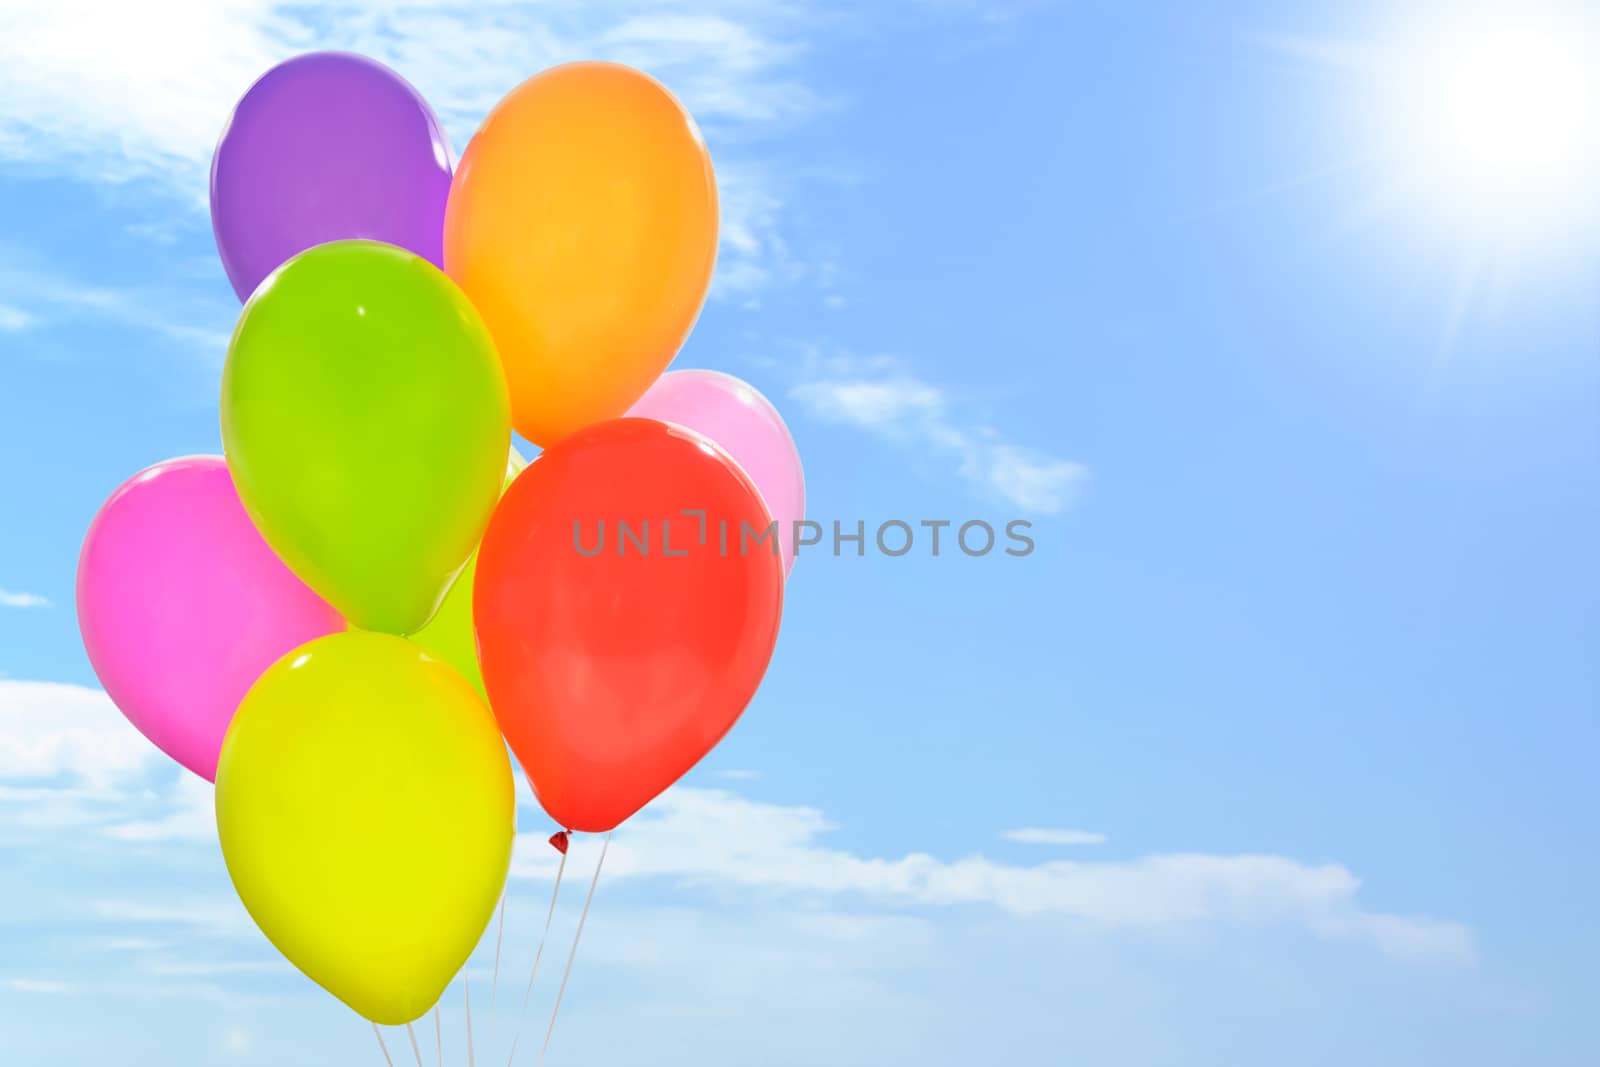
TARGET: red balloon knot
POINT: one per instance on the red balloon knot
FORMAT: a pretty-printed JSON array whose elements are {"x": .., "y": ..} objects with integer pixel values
[{"x": 558, "y": 841}]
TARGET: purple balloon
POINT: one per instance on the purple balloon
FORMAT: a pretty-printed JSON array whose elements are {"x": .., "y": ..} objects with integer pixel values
[{"x": 324, "y": 147}]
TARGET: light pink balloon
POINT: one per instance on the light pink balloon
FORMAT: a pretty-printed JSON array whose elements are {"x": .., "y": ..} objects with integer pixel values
[
  {"x": 182, "y": 605},
  {"x": 737, "y": 417}
]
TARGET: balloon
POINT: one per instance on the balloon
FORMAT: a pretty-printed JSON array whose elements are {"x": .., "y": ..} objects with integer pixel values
[
  {"x": 583, "y": 223},
  {"x": 613, "y": 673},
  {"x": 364, "y": 418},
  {"x": 746, "y": 425},
  {"x": 323, "y": 147},
  {"x": 365, "y": 808},
  {"x": 182, "y": 605},
  {"x": 449, "y": 635}
]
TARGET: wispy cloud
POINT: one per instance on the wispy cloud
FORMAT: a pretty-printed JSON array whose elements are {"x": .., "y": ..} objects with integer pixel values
[
  {"x": 71, "y": 733},
  {"x": 8, "y": 599},
  {"x": 883, "y": 397},
  {"x": 214, "y": 915},
  {"x": 201, "y": 326},
  {"x": 211, "y": 968},
  {"x": 142, "y": 98},
  {"x": 56, "y": 807},
  {"x": 1054, "y": 837},
  {"x": 883, "y": 404},
  {"x": 131, "y": 944},
  {"x": 714, "y": 837},
  {"x": 1317, "y": 51},
  {"x": 14, "y": 319},
  {"x": 750, "y": 895},
  {"x": 189, "y": 815},
  {"x": 47, "y": 986},
  {"x": 69, "y": 760}
]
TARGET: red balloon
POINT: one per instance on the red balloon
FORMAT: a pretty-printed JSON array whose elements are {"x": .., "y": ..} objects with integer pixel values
[{"x": 626, "y": 605}]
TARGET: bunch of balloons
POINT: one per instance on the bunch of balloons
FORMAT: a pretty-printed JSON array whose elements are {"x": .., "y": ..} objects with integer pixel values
[{"x": 345, "y": 621}]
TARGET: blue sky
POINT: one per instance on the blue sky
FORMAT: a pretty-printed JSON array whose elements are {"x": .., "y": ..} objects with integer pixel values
[{"x": 1297, "y": 698}]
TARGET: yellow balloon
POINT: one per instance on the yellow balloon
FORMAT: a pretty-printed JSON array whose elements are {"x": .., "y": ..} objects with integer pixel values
[
  {"x": 450, "y": 635},
  {"x": 582, "y": 222},
  {"x": 365, "y": 807}
]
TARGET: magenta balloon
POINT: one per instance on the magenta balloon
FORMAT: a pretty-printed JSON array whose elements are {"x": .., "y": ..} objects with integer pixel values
[
  {"x": 324, "y": 147},
  {"x": 736, "y": 416},
  {"x": 182, "y": 605}
]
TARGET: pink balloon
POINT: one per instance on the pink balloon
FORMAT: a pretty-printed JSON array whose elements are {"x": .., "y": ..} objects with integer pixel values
[
  {"x": 182, "y": 605},
  {"x": 737, "y": 417}
]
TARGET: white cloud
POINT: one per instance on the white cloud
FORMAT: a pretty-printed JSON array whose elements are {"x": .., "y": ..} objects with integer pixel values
[
  {"x": 9, "y": 599},
  {"x": 875, "y": 405},
  {"x": 222, "y": 916},
  {"x": 1031, "y": 480},
  {"x": 47, "y": 986},
  {"x": 1322, "y": 52},
  {"x": 237, "y": 1041},
  {"x": 13, "y": 320},
  {"x": 1030, "y": 836},
  {"x": 715, "y": 838},
  {"x": 115, "y": 92},
  {"x": 55, "y": 296},
  {"x": 54, "y": 730},
  {"x": 738, "y": 955},
  {"x": 212, "y": 968},
  {"x": 190, "y": 816},
  {"x": 122, "y": 90},
  {"x": 882, "y": 397},
  {"x": 754, "y": 254},
  {"x": 131, "y": 944},
  {"x": 57, "y": 808}
]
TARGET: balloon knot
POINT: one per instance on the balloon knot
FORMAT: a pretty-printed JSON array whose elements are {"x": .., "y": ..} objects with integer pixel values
[{"x": 558, "y": 841}]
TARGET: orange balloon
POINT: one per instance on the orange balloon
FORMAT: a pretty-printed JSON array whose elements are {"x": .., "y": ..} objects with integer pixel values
[{"x": 582, "y": 222}]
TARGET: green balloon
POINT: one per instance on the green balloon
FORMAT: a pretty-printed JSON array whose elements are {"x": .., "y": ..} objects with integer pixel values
[
  {"x": 366, "y": 423},
  {"x": 450, "y": 636}
]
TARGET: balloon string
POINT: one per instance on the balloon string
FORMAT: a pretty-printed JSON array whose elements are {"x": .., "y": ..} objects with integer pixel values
[
  {"x": 537, "y": 956},
  {"x": 466, "y": 990},
  {"x": 415, "y": 1051},
  {"x": 379, "y": 1035},
  {"x": 499, "y": 937},
  {"x": 494, "y": 986},
  {"x": 438, "y": 1035},
  {"x": 573, "y": 954}
]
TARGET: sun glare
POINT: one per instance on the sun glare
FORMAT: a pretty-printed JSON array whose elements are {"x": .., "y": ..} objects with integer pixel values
[
  {"x": 1470, "y": 131},
  {"x": 1514, "y": 106},
  {"x": 1500, "y": 118}
]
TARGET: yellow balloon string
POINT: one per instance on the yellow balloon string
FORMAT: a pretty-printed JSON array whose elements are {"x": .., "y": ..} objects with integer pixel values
[
  {"x": 466, "y": 991},
  {"x": 379, "y": 1035},
  {"x": 573, "y": 954},
  {"x": 415, "y": 1051},
  {"x": 537, "y": 956},
  {"x": 438, "y": 1035}
]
